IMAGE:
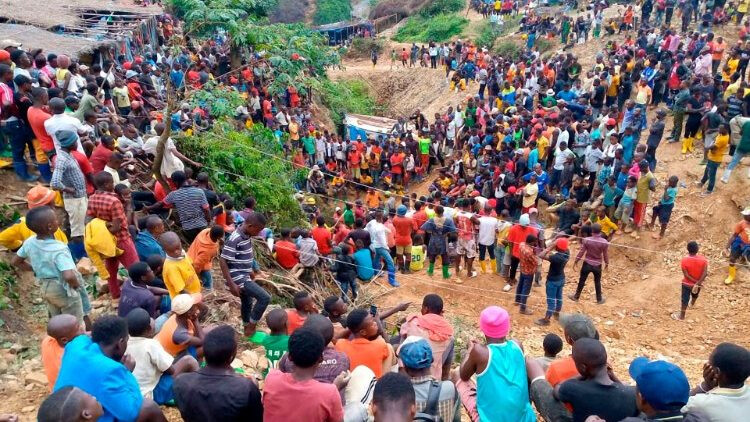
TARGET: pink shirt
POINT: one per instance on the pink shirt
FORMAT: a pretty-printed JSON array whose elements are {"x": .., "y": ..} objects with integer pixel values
[{"x": 285, "y": 399}]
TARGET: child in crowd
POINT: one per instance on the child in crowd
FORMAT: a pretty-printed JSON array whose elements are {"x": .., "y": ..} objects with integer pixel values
[
  {"x": 345, "y": 268},
  {"x": 178, "y": 273},
  {"x": 60, "y": 330},
  {"x": 286, "y": 251},
  {"x": 625, "y": 207},
  {"x": 335, "y": 308},
  {"x": 417, "y": 254},
  {"x": 52, "y": 264},
  {"x": 138, "y": 291},
  {"x": 202, "y": 252},
  {"x": 611, "y": 193},
  {"x": 552, "y": 345},
  {"x": 694, "y": 271},
  {"x": 663, "y": 210},
  {"x": 154, "y": 367},
  {"x": 600, "y": 217},
  {"x": 363, "y": 257},
  {"x": 308, "y": 253},
  {"x": 275, "y": 343},
  {"x": 303, "y": 306},
  {"x": 452, "y": 248}
]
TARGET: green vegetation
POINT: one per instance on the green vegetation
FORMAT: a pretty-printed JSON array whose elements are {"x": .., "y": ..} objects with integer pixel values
[
  {"x": 330, "y": 11},
  {"x": 439, "y": 7},
  {"x": 348, "y": 96},
  {"x": 490, "y": 33},
  {"x": 439, "y": 28},
  {"x": 7, "y": 285},
  {"x": 221, "y": 101},
  {"x": 253, "y": 172},
  {"x": 509, "y": 49},
  {"x": 362, "y": 47}
]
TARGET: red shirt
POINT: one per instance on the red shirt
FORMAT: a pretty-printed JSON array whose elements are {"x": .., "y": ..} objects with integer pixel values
[
  {"x": 694, "y": 266},
  {"x": 286, "y": 399},
  {"x": 107, "y": 206},
  {"x": 37, "y": 117},
  {"x": 293, "y": 321},
  {"x": 517, "y": 235},
  {"x": 397, "y": 161},
  {"x": 355, "y": 157},
  {"x": 286, "y": 254},
  {"x": 404, "y": 226},
  {"x": 99, "y": 157},
  {"x": 323, "y": 238},
  {"x": 86, "y": 169},
  {"x": 419, "y": 217}
]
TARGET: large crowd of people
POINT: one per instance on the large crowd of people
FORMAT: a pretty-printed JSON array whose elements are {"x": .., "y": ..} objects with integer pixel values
[{"x": 548, "y": 153}]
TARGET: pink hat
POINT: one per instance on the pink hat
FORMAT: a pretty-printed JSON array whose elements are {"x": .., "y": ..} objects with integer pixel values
[{"x": 494, "y": 322}]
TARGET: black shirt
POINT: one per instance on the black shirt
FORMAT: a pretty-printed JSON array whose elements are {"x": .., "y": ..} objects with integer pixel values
[
  {"x": 360, "y": 234},
  {"x": 557, "y": 263},
  {"x": 598, "y": 99},
  {"x": 610, "y": 402},
  {"x": 209, "y": 396}
]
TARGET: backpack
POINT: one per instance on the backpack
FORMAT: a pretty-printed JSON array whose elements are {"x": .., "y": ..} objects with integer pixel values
[{"x": 430, "y": 412}]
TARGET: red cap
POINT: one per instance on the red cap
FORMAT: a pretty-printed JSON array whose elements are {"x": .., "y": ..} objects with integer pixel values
[
  {"x": 611, "y": 122},
  {"x": 492, "y": 203},
  {"x": 562, "y": 244},
  {"x": 474, "y": 194},
  {"x": 127, "y": 65},
  {"x": 138, "y": 60},
  {"x": 4, "y": 56},
  {"x": 512, "y": 190}
]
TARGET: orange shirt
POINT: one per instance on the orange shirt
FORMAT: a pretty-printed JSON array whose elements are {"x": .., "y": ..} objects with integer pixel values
[
  {"x": 202, "y": 251},
  {"x": 293, "y": 320},
  {"x": 372, "y": 199},
  {"x": 52, "y": 354},
  {"x": 166, "y": 336},
  {"x": 561, "y": 370},
  {"x": 370, "y": 353},
  {"x": 742, "y": 229}
]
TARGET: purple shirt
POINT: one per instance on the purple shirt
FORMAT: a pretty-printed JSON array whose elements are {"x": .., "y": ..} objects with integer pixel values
[
  {"x": 334, "y": 363},
  {"x": 133, "y": 296},
  {"x": 595, "y": 250}
]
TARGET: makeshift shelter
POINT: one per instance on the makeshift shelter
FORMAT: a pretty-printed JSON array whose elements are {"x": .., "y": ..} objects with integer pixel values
[
  {"x": 339, "y": 32},
  {"x": 369, "y": 126}
]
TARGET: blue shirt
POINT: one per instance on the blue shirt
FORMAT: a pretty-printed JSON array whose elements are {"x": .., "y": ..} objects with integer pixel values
[
  {"x": 86, "y": 367},
  {"x": 567, "y": 96},
  {"x": 502, "y": 388},
  {"x": 670, "y": 197},
  {"x": 364, "y": 264},
  {"x": 628, "y": 148},
  {"x": 541, "y": 179},
  {"x": 146, "y": 245},
  {"x": 47, "y": 257},
  {"x": 604, "y": 174},
  {"x": 533, "y": 158},
  {"x": 177, "y": 78},
  {"x": 622, "y": 180},
  {"x": 610, "y": 193}
]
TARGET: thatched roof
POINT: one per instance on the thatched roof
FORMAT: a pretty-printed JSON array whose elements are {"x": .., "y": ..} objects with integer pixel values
[
  {"x": 32, "y": 37},
  {"x": 50, "y": 13}
]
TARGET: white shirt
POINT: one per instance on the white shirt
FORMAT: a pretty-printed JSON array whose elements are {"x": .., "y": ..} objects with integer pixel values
[
  {"x": 378, "y": 234},
  {"x": 722, "y": 404},
  {"x": 126, "y": 143},
  {"x": 488, "y": 227},
  {"x": 593, "y": 156},
  {"x": 450, "y": 132},
  {"x": 151, "y": 360},
  {"x": 561, "y": 157},
  {"x": 170, "y": 163},
  {"x": 63, "y": 122},
  {"x": 116, "y": 176}
]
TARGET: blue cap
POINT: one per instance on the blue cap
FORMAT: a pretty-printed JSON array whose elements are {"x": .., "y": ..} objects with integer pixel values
[
  {"x": 662, "y": 384},
  {"x": 401, "y": 210},
  {"x": 415, "y": 353}
]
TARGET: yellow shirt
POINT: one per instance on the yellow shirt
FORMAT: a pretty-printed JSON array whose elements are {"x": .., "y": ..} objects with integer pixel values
[
  {"x": 607, "y": 225},
  {"x": 179, "y": 275},
  {"x": 721, "y": 146},
  {"x": 12, "y": 238},
  {"x": 417, "y": 258},
  {"x": 612, "y": 90},
  {"x": 541, "y": 145},
  {"x": 733, "y": 64},
  {"x": 446, "y": 183}
]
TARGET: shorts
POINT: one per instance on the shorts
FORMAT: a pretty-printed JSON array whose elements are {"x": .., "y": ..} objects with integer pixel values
[
  {"x": 739, "y": 249},
  {"x": 467, "y": 247},
  {"x": 664, "y": 211},
  {"x": 685, "y": 294},
  {"x": 61, "y": 299},
  {"x": 400, "y": 250},
  {"x": 76, "y": 209}
]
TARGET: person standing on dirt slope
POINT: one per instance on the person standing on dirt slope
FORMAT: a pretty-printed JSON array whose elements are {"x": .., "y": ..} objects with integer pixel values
[
  {"x": 595, "y": 259},
  {"x": 413, "y": 55},
  {"x": 739, "y": 245},
  {"x": 555, "y": 278},
  {"x": 374, "y": 56},
  {"x": 694, "y": 269}
]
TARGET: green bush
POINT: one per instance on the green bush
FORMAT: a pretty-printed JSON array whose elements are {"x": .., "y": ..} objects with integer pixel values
[
  {"x": 439, "y": 7},
  {"x": 508, "y": 49},
  {"x": 544, "y": 45},
  {"x": 330, "y": 11},
  {"x": 362, "y": 47},
  {"x": 348, "y": 96},
  {"x": 223, "y": 150},
  {"x": 438, "y": 29}
]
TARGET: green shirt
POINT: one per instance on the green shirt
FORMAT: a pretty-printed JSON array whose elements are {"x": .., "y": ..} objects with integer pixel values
[
  {"x": 309, "y": 144},
  {"x": 744, "y": 145},
  {"x": 349, "y": 217},
  {"x": 424, "y": 145},
  {"x": 276, "y": 346}
]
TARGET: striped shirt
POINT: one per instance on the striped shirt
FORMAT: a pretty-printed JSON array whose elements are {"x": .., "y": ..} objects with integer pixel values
[
  {"x": 189, "y": 202},
  {"x": 239, "y": 254},
  {"x": 68, "y": 174}
]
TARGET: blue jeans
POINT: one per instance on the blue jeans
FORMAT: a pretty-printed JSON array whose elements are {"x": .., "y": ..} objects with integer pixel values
[
  {"x": 524, "y": 289},
  {"x": 18, "y": 134},
  {"x": 499, "y": 256},
  {"x": 709, "y": 175},
  {"x": 385, "y": 255},
  {"x": 249, "y": 291},
  {"x": 163, "y": 393},
  {"x": 345, "y": 286},
  {"x": 554, "y": 295},
  {"x": 207, "y": 280},
  {"x": 736, "y": 159}
]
